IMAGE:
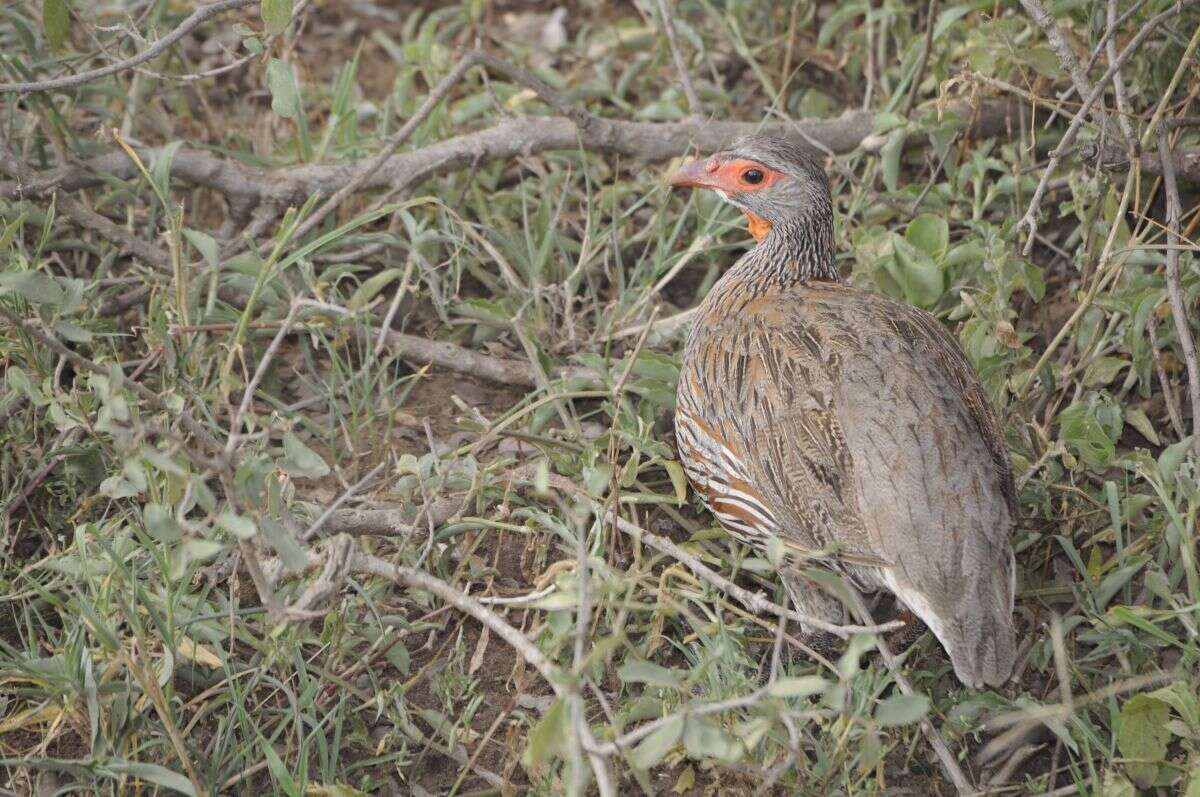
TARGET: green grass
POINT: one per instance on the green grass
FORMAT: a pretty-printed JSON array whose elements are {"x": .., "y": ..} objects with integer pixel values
[{"x": 136, "y": 655}]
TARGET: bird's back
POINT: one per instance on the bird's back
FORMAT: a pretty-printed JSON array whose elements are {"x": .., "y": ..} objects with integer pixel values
[{"x": 853, "y": 425}]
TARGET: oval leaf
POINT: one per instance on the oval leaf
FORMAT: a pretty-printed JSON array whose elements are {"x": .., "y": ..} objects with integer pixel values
[
  {"x": 1142, "y": 737},
  {"x": 655, "y": 746},
  {"x": 302, "y": 461},
  {"x": 901, "y": 710},
  {"x": 276, "y": 15}
]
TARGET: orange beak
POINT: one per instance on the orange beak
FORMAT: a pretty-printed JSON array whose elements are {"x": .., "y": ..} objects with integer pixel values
[{"x": 696, "y": 174}]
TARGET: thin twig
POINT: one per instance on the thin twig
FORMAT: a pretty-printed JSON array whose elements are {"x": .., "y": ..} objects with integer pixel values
[
  {"x": 1029, "y": 220},
  {"x": 194, "y": 20},
  {"x": 235, "y": 423},
  {"x": 353, "y": 489},
  {"x": 695, "y": 108},
  {"x": 1062, "y": 49},
  {"x": 554, "y": 675},
  {"x": 926, "y": 49},
  {"x": 1123, "y": 112},
  {"x": 1163, "y": 381},
  {"x": 1174, "y": 283}
]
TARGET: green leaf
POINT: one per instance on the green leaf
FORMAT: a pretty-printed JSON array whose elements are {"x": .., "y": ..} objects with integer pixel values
[
  {"x": 705, "y": 739},
  {"x": 1142, "y": 737},
  {"x": 1139, "y": 420},
  {"x": 290, "y": 551},
  {"x": 117, "y": 486},
  {"x": 1115, "y": 785},
  {"x": 32, "y": 286},
  {"x": 918, "y": 275},
  {"x": 205, "y": 244},
  {"x": 239, "y": 526},
  {"x": 279, "y": 771},
  {"x": 302, "y": 461},
  {"x": 285, "y": 94},
  {"x": 901, "y": 710},
  {"x": 371, "y": 288},
  {"x": 332, "y": 790},
  {"x": 276, "y": 15},
  {"x": 161, "y": 524},
  {"x": 548, "y": 738},
  {"x": 802, "y": 686},
  {"x": 72, "y": 332},
  {"x": 658, "y": 366},
  {"x": 849, "y": 661},
  {"x": 1102, "y": 370},
  {"x": 655, "y": 746},
  {"x": 1084, "y": 435},
  {"x": 930, "y": 234},
  {"x": 160, "y": 173},
  {"x": 1172, "y": 455},
  {"x": 1179, "y": 696},
  {"x": 56, "y": 22},
  {"x": 645, "y": 672},
  {"x": 152, "y": 773},
  {"x": 889, "y": 155},
  {"x": 1193, "y": 786},
  {"x": 678, "y": 480}
]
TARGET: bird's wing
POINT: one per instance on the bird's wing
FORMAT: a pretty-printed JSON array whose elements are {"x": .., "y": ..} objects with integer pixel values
[
  {"x": 931, "y": 467},
  {"x": 766, "y": 396}
]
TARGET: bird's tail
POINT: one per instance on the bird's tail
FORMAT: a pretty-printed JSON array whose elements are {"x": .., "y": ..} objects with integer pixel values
[{"x": 981, "y": 638}]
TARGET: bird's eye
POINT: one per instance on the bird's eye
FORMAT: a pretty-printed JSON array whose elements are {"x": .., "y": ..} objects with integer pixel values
[{"x": 752, "y": 176}]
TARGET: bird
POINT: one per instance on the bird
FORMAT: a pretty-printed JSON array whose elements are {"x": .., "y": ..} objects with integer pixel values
[{"x": 841, "y": 427}]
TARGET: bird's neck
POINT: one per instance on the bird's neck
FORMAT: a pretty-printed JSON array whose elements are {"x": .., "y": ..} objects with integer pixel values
[{"x": 797, "y": 251}]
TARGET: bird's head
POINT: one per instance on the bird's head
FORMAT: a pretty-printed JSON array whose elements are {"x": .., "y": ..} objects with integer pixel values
[{"x": 773, "y": 181}]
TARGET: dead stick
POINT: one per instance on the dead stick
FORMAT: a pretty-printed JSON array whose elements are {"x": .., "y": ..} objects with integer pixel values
[{"x": 1175, "y": 285}]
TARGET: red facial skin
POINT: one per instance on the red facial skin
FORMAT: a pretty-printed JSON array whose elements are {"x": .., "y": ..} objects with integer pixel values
[{"x": 728, "y": 178}]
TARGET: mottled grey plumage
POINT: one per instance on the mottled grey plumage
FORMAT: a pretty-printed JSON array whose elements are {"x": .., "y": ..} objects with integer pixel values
[{"x": 847, "y": 424}]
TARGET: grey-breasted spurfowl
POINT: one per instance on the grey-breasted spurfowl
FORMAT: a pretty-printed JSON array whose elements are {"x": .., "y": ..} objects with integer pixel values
[{"x": 847, "y": 425}]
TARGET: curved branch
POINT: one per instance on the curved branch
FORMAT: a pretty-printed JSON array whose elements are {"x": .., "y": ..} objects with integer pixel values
[
  {"x": 523, "y": 136},
  {"x": 194, "y": 20}
]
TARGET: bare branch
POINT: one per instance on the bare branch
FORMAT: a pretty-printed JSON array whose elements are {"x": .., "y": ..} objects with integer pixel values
[
  {"x": 1123, "y": 112},
  {"x": 1066, "y": 56},
  {"x": 1174, "y": 284},
  {"x": 194, "y": 20},
  {"x": 248, "y": 394},
  {"x": 316, "y": 525},
  {"x": 520, "y": 137},
  {"x": 418, "y": 579},
  {"x": 395, "y": 522}
]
